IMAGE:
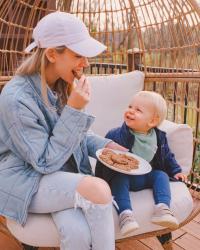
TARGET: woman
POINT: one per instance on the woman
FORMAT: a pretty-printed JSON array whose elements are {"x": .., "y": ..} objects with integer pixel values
[{"x": 44, "y": 144}]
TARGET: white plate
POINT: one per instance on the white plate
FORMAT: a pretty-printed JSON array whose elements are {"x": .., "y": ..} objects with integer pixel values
[{"x": 144, "y": 166}]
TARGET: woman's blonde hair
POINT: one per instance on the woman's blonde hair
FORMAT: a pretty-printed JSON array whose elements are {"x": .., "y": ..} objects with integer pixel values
[
  {"x": 157, "y": 101},
  {"x": 37, "y": 63}
]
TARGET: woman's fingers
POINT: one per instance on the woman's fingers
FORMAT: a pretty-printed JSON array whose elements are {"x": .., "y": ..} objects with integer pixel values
[
  {"x": 87, "y": 87},
  {"x": 80, "y": 95},
  {"x": 81, "y": 82},
  {"x": 83, "y": 86}
]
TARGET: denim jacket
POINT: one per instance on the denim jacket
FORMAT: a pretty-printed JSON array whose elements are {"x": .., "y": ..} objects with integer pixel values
[
  {"x": 36, "y": 140},
  {"x": 163, "y": 159}
]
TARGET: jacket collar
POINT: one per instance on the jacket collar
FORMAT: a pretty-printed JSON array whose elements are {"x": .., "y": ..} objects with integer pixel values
[{"x": 127, "y": 139}]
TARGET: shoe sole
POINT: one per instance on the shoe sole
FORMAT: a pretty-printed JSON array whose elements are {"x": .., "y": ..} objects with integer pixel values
[
  {"x": 167, "y": 224},
  {"x": 131, "y": 230}
]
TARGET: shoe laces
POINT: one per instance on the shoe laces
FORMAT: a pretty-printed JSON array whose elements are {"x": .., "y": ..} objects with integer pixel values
[
  {"x": 162, "y": 210},
  {"x": 126, "y": 217}
]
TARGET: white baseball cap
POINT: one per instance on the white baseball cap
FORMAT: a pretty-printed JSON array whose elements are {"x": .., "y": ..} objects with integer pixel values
[{"x": 64, "y": 29}]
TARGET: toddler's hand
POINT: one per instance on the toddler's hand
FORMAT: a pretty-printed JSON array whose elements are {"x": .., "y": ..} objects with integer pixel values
[
  {"x": 80, "y": 95},
  {"x": 181, "y": 176},
  {"x": 116, "y": 146}
]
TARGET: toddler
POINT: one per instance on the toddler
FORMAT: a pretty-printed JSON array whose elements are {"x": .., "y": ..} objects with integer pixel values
[{"x": 139, "y": 133}]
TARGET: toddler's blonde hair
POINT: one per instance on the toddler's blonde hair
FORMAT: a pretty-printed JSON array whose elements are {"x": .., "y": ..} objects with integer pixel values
[{"x": 157, "y": 101}]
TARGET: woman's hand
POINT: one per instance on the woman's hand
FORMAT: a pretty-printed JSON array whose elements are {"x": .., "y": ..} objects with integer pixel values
[
  {"x": 80, "y": 95},
  {"x": 181, "y": 176},
  {"x": 116, "y": 146}
]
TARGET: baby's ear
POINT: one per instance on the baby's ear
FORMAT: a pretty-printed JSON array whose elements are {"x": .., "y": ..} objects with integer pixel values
[{"x": 154, "y": 121}]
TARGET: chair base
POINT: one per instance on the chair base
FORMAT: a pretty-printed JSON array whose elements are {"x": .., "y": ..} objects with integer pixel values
[
  {"x": 27, "y": 247},
  {"x": 165, "y": 238}
]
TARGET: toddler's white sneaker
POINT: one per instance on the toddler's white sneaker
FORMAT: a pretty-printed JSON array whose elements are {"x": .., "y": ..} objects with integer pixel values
[
  {"x": 127, "y": 222},
  {"x": 163, "y": 216}
]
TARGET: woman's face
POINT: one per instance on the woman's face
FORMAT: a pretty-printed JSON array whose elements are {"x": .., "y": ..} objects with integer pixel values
[{"x": 65, "y": 63}]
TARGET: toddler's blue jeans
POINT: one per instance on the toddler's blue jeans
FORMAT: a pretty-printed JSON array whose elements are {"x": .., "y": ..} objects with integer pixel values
[{"x": 121, "y": 184}]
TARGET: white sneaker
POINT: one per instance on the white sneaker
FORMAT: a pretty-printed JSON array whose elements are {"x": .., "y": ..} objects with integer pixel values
[
  {"x": 127, "y": 222},
  {"x": 164, "y": 217}
]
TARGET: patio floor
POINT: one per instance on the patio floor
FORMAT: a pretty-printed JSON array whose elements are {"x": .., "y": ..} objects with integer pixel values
[{"x": 188, "y": 238}]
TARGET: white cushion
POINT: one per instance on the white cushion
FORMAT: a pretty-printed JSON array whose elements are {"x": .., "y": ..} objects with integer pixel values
[
  {"x": 110, "y": 96},
  {"x": 39, "y": 230},
  {"x": 180, "y": 139},
  {"x": 142, "y": 201}
]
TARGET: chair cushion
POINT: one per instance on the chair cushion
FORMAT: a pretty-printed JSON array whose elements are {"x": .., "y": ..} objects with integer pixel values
[
  {"x": 110, "y": 96},
  {"x": 142, "y": 201},
  {"x": 180, "y": 140}
]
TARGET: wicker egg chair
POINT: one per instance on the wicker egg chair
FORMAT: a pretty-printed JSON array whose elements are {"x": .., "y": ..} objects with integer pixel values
[{"x": 161, "y": 38}]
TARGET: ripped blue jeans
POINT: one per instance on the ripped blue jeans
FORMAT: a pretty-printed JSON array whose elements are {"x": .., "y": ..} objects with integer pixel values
[{"x": 90, "y": 226}]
